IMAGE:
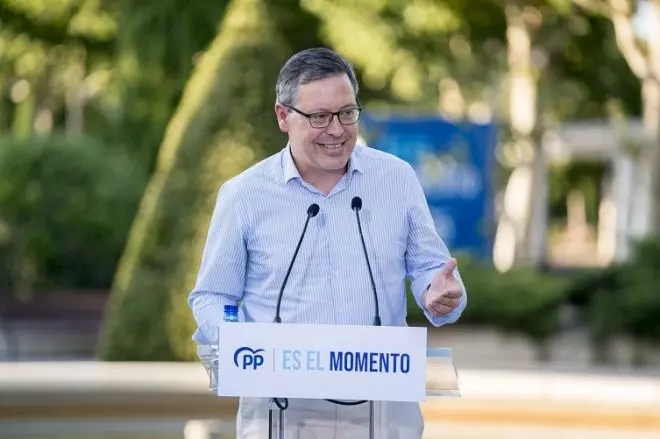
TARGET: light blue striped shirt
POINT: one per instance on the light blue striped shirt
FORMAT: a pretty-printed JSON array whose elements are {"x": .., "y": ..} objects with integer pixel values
[{"x": 257, "y": 222}]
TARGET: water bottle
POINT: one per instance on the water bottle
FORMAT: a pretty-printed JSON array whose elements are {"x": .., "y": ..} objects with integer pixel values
[
  {"x": 230, "y": 315},
  {"x": 208, "y": 354}
]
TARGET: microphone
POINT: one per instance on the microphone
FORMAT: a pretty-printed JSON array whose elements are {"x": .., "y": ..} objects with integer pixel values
[
  {"x": 312, "y": 211},
  {"x": 356, "y": 205}
]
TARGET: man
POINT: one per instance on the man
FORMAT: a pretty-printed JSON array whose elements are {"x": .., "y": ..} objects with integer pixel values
[{"x": 258, "y": 219}]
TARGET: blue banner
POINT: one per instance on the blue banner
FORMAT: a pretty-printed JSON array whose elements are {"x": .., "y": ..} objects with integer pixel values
[{"x": 454, "y": 163}]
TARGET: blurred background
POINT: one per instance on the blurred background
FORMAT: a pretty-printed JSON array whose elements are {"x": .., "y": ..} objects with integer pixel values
[{"x": 534, "y": 127}]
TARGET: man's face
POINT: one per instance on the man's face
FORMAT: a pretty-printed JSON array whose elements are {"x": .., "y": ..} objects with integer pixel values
[{"x": 321, "y": 150}]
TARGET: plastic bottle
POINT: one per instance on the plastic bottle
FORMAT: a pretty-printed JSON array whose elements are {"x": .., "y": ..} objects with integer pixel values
[
  {"x": 208, "y": 354},
  {"x": 230, "y": 315}
]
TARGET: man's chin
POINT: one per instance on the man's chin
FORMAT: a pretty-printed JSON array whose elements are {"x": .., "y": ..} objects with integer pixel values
[{"x": 333, "y": 166}]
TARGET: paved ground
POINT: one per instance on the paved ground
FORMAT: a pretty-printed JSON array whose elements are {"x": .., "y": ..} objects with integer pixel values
[{"x": 93, "y": 400}]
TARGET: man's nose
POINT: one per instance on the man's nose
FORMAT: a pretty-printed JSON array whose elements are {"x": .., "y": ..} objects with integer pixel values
[{"x": 335, "y": 128}]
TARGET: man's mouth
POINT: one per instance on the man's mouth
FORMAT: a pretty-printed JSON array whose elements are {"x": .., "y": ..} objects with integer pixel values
[{"x": 331, "y": 146}]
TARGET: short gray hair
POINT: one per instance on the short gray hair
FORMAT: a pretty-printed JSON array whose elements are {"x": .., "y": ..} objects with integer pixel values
[{"x": 307, "y": 66}]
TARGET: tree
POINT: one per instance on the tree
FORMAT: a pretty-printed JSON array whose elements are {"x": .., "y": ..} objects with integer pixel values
[
  {"x": 407, "y": 52},
  {"x": 224, "y": 123},
  {"x": 518, "y": 62},
  {"x": 52, "y": 52},
  {"x": 548, "y": 64},
  {"x": 58, "y": 195},
  {"x": 156, "y": 50},
  {"x": 53, "y": 23},
  {"x": 642, "y": 53}
]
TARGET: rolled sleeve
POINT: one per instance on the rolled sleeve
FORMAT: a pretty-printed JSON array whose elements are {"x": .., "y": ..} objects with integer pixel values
[
  {"x": 221, "y": 277},
  {"x": 426, "y": 252}
]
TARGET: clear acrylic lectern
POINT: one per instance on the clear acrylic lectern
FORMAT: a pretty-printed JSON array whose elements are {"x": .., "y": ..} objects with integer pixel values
[{"x": 252, "y": 360}]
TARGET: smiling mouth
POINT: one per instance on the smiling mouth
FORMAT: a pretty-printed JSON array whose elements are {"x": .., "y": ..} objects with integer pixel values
[{"x": 331, "y": 146}]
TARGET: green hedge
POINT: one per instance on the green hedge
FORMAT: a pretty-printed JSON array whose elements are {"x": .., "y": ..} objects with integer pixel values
[
  {"x": 66, "y": 205},
  {"x": 620, "y": 300},
  {"x": 623, "y": 300},
  {"x": 522, "y": 300},
  {"x": 224, "y": 123}
]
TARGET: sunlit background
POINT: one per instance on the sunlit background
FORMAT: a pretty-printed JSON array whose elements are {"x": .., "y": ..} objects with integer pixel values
[{"x": 534, "y": 127}]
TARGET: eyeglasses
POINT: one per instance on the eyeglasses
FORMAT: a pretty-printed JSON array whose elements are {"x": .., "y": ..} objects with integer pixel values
[{"x": 348, "y": 116}]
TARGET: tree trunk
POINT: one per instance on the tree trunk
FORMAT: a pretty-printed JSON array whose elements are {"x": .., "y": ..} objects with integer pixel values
[
  {"x": 521, "y": 232},
  {"x": 643, "y": 58},
  {"x": 76, "y": 96},
  {"x": 651, "y": 102},
  {"x": 645, "y": 219},
  {"x": 23, "y": 95}
]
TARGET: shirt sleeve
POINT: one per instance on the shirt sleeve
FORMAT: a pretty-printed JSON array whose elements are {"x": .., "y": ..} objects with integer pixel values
[
  {"x": 426, "y": 252},
  {"x": 221, "y": 277}
]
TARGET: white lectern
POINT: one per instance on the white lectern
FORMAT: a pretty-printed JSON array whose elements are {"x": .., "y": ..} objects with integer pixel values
[{"x": 330, "y": 362}]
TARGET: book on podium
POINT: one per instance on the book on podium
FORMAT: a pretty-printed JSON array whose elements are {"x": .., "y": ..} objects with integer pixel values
[{"x": 354, "y": 364}]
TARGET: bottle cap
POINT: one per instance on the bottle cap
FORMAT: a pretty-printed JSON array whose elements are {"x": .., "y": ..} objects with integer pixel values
[{"x": 231, "y": 309}]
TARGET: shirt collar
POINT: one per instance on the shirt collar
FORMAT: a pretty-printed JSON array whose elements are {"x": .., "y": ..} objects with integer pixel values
[{"x": 290, "y": 171}]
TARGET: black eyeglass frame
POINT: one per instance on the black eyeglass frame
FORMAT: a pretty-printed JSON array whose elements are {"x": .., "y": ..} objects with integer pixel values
[{"x": 309, "y": 116}]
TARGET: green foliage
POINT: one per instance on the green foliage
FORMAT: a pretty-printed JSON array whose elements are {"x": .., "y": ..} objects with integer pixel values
[
  {"x": 66, "y": 205},
  {"x": 620, "y": 300},
  {"x": 590, "y": 53},
  {"x": 71, "y": 22},
  {"x": 224, "y": 123},
  {"x": 405, "y": 49},
  {"x": 522, "y": 300},
  {"x": 583, "y": 176},
  {"x": 56, "y": 60},
  {"x": 640, "y": 299},
  {"x": 595, "y": 293},
  {"x": 158, "y": 45}
]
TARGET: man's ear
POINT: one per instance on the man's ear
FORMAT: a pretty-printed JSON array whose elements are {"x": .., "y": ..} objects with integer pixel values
[{"x": 282, "y": 113}]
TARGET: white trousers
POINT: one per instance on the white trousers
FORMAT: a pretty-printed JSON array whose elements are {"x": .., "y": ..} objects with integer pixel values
[{"x": 319, "y": 419}]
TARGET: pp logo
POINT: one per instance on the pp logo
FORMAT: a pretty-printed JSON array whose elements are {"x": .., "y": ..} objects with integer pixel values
[{"x": 247, "y": 357}]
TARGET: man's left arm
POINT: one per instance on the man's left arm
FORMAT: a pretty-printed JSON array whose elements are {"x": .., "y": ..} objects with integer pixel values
[{"x": 427, "y": 254}]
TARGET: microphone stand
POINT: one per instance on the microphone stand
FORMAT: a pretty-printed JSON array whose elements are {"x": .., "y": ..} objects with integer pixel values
[
  {"x": 372, "y": 417},
  {"x": 356, "y": 205},
  {"x": 312, "y": 211},
  {"x": 280, "y": 420}
]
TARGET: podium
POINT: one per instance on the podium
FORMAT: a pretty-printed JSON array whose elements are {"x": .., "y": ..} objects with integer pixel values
[{"x": 342, "y": 364}]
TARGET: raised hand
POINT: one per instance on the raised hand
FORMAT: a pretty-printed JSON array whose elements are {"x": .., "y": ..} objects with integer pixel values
[{"x": 444, "y": 293}]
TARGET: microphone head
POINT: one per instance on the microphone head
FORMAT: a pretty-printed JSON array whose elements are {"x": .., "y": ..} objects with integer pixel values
[
  {"x": 313, "y": 209},
  {"x": 356, "y": 203}
]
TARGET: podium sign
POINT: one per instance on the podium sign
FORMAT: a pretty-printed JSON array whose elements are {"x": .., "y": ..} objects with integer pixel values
[{"x": 381, "y": 363}]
